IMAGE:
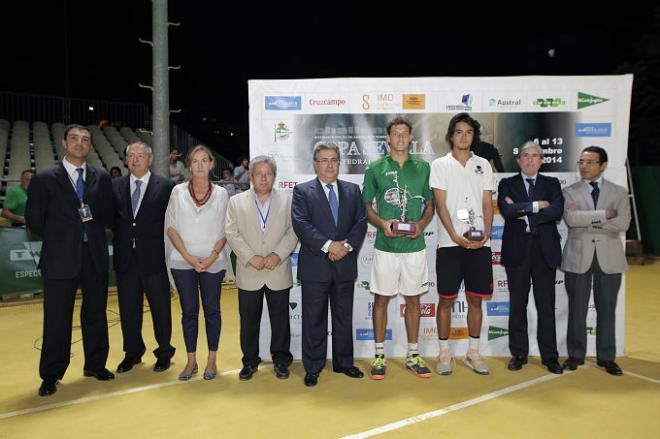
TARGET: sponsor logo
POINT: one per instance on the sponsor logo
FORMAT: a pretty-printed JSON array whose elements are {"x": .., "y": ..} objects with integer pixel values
[
  {"x": 586, "y": 100},
  {"x": 379, "y": 101},
  {"x": 414, "y": 101},
  {"x": 458, "y": 333},
  {"x": 497, "y": 308},
  {"x": 289, "y": 103},
  {"x": 363, "y": 284},
  {"x": 466, "y": 104},
  {"x": 287, "y": 184},
  {"x": 293, "y": 305},
  {"x": 425, "y": 309},
  {"x": 505, "y": 102},
  {"x": 497, "y": 232},
  {"x": 591, "y": 330},
  {"x": 31, "y": 252},
  {"x": 496, "y": 258},
  {"x": 495, "y": 332},
  {"x": 294, "y": 259},
  {"x": 593, "y": 129},
  {"x": 459, "y": 307},
  {"x": 368, "y": 334},
  {"x": 371, "y": 235},
  {"x": 504, "y": 283},
  {"x": 549, "y": 102},
  {"x": 282, "y": 132},
  {"x": 329, "y": 102}
]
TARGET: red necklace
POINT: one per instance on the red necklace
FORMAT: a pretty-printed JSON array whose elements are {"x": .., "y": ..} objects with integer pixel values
[{"x": 206, "y": 196}]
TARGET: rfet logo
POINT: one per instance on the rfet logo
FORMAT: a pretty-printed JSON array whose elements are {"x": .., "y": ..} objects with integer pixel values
[
  {"x": 502, "y": 283},
  {"x": 496, "y": 258},
  {"x": 287, "y": 184},
  {"x": 425, "y": 309}
]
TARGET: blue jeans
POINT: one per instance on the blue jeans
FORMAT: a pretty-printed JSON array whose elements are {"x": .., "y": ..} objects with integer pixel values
[{"x": 190, "y": 284}]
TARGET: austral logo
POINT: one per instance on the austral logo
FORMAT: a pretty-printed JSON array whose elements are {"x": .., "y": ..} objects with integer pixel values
[
  {"x": 368, "y": 334},
  {"x": 497, "y": 232},
  {"x": 586, "y": 100},
  {"x": 495, "y": 332},
  {"x": 289, "y": 103}
]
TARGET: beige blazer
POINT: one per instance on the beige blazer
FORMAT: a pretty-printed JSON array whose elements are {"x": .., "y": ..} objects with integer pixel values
[
  {"x": 244, "y": 235},
  {"x": 589, "y": 229}
]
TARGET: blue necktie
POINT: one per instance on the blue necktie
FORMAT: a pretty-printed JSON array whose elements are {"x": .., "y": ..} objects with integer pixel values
[
  {"x": 530, "y": 190},
  {"x": 135, "y": 198},
  {"x": 334, "y": 203},
  {"x": 80, "y": 191},
  {"x": 595, "y": 192}
]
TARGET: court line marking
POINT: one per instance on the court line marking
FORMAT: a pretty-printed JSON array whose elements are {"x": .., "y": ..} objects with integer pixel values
[
  {"x": 56, "y": 405},
  {"x": 468, "y": 403}
]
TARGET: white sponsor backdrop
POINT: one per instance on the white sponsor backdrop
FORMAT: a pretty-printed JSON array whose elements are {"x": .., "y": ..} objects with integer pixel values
[{"x": 563, "y": 114}]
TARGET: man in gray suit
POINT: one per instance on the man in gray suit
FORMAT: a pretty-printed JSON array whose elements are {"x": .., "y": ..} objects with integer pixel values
[
  {"x": 596, "y": 212},
  {"x": 259, "y": 230}
]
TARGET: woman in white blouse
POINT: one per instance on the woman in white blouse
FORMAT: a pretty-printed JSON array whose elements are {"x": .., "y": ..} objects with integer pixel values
[{"x": 195, "y": 228}]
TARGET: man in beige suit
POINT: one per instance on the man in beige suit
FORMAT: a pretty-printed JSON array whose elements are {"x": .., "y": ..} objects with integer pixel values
[
  {"x": 259, "y": 231},
  {"x": 596, "y": 212}
]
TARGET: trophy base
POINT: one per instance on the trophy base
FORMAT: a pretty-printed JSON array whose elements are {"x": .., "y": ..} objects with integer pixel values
[
  {"x": 404, "y": 228},
  {"x": 474, "y": 235}
]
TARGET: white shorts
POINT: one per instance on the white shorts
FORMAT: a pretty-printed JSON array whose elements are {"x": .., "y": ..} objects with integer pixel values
[{"x": 399, "y": 273}]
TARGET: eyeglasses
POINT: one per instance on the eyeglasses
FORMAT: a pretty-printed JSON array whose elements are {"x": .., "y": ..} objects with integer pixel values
[
  {"x": 326, "y": 161},
  {"x": 588, "y": 162}
]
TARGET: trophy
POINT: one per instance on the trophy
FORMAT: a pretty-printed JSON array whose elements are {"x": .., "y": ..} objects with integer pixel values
[
  {"x": 399, "y": 197},
  {"x": 467, "y": 216}
]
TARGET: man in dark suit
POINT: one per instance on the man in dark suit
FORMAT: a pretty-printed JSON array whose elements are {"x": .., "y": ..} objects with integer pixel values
[
  {"x": 531, "y": 204},
  {"x": 331, "y": 222},
  {"x": 68, "y": 206},
  {"x": 140, "y": 200},
  {"x": 596, "y": 212}
]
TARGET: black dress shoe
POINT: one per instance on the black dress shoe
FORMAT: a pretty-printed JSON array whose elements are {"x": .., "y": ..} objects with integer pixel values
[
  {"x": 573, "y": 363},
  {"x": 352, "y": 372},
  {"x": 127, "y": 364},
  {"x": 281, "y": 371},
  {"x": 48, "y": 387},
  {"x": 611, "y": 367},
  {"x": 311, "y": 379},
  {"x": 553, "y": 367},
  {"x": 516, "y": 362},
  {"x": 162, "y": 364},
  {"x": 100, "y": 374},
  {"x": 246, "y": 373}
]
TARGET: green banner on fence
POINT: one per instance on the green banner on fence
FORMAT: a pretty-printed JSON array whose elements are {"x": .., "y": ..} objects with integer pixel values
[{"x": 19, "y": 258}]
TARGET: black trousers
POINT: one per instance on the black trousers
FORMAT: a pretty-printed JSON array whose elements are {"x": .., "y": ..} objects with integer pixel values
[
  {"x": 534, "y": 269},
  {"x": 315, "y": 296},
  {"x": 131, "y": 289},
  {"x": 59, "y": 299},
  {"x": 250, "y": 305},
  {"x": 606, "y": 289}
]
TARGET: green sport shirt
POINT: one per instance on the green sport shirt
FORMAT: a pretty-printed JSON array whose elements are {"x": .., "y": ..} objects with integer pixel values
[
  {"x": 16, "y": 199},
  {"x": 378, "y": 178}
]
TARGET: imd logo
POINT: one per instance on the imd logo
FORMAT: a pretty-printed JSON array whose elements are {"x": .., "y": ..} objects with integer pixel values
[{"x": 495, "y": 332}]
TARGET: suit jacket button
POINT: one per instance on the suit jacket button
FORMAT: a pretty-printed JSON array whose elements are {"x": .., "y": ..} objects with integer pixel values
[{"x": 133, "y": 224}]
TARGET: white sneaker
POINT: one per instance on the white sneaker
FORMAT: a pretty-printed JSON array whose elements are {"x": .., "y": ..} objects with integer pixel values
[
  {"x": 445, "y": 360},
  {"x": 475, "y": 362}
]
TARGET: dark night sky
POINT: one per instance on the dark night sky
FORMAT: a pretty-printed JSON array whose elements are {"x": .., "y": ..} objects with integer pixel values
[{"x": 220, "y": 47}]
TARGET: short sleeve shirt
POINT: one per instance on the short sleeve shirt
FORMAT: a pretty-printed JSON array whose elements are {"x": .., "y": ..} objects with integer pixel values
[
  {"x": 380, "y": 183},
  {"x": 465, "y": 186},
  {"x": 16, "y": 199}
]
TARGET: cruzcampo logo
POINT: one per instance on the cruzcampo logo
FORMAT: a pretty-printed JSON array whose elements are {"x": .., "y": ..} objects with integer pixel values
[
  {"x": 495, "y": 332},
  {"x": 586, "y": 100},
  {"x": 591, "y": 330}
]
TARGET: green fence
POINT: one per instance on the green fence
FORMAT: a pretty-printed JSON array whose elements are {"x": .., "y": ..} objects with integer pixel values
[{"x": 19, "y": 256}]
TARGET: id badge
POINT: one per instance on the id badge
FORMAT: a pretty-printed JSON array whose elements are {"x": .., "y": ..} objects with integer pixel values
[{"x": 85, "y": 213}]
